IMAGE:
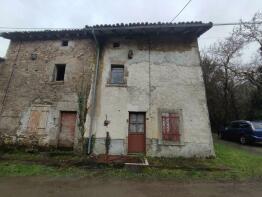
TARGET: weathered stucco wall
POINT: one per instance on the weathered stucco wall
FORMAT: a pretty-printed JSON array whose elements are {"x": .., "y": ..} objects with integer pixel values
[
  {"x": 163, "y": 75},
  {"x": 32, "y": 92}
]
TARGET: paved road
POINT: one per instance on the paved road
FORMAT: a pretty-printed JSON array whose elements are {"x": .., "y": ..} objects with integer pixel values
[
  {"x": 78, "y": 187},
  {"x": 254, "y": 148}
]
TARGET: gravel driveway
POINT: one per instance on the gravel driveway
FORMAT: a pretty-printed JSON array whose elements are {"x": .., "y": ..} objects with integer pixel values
[{"x": 254, "y": 148}]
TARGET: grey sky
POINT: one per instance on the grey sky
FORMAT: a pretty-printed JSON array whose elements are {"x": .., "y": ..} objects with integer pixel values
[{"x": 78, "y": 13}]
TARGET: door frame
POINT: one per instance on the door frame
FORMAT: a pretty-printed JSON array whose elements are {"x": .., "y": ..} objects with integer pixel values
[
  {"x": 60, "y": 128},
  {"x": 144, "y": 113}
]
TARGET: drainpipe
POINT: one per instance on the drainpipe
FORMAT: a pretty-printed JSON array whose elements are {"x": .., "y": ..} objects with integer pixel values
[
  {"x": 10, "y": 79},
  {"x": 93, "y": 108}
]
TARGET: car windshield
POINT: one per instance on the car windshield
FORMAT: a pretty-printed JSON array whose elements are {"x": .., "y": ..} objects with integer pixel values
[{"x": 257, "y": 125}]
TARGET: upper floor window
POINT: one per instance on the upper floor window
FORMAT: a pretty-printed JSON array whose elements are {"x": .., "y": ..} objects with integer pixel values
[
  {"x": 171, "y": 130},
  {"x": 65, "y": 43},
  {"x": 59, "y": 73},
  {"x": 117, "y": 74},
  {"x": 116, "y": 44}
]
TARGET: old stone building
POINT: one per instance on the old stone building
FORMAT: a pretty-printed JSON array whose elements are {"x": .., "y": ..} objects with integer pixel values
[
  {"x": 137, "y": 88},
  {"x": 41, "y": 81}
]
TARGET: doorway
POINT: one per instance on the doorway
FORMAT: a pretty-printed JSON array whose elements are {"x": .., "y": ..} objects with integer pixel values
[
  {"x": 136, "y": 132},
  {"x": 67, "y": 129}
]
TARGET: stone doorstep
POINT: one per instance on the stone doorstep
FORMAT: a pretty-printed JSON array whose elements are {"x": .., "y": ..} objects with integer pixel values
[
  {"x": 137, "y": 167},
  {"x": 145, "y": 163}
]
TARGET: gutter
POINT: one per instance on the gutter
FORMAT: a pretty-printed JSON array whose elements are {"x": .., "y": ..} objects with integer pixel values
[{"x": 93, "y": 108}]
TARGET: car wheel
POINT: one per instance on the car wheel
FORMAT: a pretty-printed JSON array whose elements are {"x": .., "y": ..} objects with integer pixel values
[{"x": 243, "y": 140}]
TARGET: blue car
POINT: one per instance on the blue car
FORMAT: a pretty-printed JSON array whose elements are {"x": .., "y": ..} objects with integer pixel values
[{"x": 245, "y": 132}]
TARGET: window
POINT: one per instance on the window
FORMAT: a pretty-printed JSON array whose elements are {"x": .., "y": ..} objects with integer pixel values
[
  {"x": 170, "y": 127},
  {"x": 136, "y": 122},
  {"x": 59, "y": 72},
  {"x": 117, "y": 74},
  {"x": 33, "y": 56},
  {"x": 65, "y": 43},
  {"x": 235, "y": 125},
  {"x": 116, "y": 44},
  {"x": 257, "y": 125},
  {"x": 244, "y": 125}
]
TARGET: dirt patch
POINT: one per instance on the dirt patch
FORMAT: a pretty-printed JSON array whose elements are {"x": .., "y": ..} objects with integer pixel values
[
  {"x": 120, "y": 159},
  {"x": 69, "y": 160}
]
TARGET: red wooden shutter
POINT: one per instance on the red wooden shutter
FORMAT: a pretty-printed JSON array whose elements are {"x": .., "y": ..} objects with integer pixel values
[{"x": 170, "y": 127}]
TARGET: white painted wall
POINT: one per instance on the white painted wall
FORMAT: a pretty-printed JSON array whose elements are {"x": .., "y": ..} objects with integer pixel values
[{"x": 173, "y": 74}]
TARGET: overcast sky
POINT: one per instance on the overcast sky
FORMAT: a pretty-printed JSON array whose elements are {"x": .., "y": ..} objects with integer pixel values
[{"x": 78, "y": 13}]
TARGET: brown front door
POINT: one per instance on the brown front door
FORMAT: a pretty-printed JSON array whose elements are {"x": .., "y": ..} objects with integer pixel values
[
  {"x": 136, "y": 132},
  {"x": 67, "y": 130}
]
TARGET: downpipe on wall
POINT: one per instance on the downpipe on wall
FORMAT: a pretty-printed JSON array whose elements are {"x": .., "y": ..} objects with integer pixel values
[
  {"x": 93, "y": 108},
  {"x": 9, "y": 80}
]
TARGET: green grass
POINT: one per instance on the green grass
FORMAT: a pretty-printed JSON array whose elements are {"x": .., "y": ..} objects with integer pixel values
[
  {"x": 20, "y": 169},
  {"x": 238, "y": 165},
  {"x": 230, "y": 164},
  {"x": 242, "y": 163}
]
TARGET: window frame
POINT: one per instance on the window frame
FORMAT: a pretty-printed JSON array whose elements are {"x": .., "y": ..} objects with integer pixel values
[
  {"x": 56, "y": 69},
  {"x": 136, "y": 123},
  {"x": 117, "y": 66}
]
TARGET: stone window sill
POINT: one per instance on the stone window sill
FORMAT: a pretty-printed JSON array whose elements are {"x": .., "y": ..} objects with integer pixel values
[
  {"x": 170, "y": 143},
  {"x": 56, "y": 82},
  {"x": 123, "y": 85}
]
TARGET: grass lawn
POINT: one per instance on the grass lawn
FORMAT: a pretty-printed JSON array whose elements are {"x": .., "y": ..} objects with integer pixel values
[{"x": 230, "y": 164}]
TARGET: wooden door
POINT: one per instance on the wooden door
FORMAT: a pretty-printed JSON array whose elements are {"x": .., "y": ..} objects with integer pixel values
[
  {"x": 67, "y": 130},
  {"x": 136, "y": 132}
]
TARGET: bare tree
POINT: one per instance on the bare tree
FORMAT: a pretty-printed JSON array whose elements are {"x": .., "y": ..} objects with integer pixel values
[
  {"x": 225, "y": 54},
  {"x": 234, "y": 90},
  {"x": 252, "y": 31}
]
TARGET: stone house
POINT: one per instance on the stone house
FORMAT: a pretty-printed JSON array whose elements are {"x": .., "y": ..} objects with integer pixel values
[
  {"x": 40, "y": 84},
  {"x": 129, "y": 88}
]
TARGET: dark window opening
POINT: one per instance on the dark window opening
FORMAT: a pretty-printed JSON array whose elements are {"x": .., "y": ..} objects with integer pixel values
[
  {"x": 59, "y": 72},
  {"x": 170, "y": 127},
  {"x": 116, "y": 44},
  {"x": 117, "y": 74},
  {"x": 65, "y": 43},
  {"x": 33, "y": 56}
]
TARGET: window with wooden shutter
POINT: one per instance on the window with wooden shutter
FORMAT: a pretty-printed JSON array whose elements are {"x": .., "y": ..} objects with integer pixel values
[{"x": 171, "y": 127}]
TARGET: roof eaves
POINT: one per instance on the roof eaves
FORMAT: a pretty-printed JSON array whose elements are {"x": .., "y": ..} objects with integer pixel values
[{"x": 197, "y": 27}]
